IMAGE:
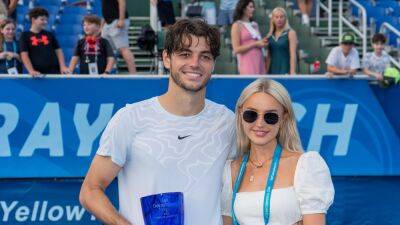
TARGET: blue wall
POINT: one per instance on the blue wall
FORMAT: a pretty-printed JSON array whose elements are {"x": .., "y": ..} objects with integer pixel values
[{"x": 51, "y": 127}]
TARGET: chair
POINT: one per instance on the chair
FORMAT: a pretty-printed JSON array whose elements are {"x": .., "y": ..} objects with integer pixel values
[{"x": 69, "y": 29}]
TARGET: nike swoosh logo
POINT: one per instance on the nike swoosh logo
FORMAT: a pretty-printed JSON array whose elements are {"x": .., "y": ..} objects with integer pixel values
[{"x": 183, "y": 137}]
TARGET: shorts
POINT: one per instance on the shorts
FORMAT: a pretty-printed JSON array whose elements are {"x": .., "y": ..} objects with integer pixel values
[
  {"x": 225, "y": 17},
  {"x": 118, "y": 38},
  {"x": 166, "y": 13}
]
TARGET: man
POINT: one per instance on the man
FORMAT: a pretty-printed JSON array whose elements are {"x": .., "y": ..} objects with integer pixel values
[
  {"x": 40, "y": 51},
  {"x": 177, "y": 142},
  {"x": 225, "y": 15},
  {"x": 11, "y": 6},
  {"x": 344, "y": 59},
  {"x": 115, "y": 30}
]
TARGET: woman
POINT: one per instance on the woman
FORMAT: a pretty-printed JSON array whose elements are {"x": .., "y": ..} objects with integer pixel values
[
  {"x": 247, "y": 43},
  {"x": 299, "y": 188},
  {"x": 282, "y": 44},
  {"x": 9, "y": 51}
]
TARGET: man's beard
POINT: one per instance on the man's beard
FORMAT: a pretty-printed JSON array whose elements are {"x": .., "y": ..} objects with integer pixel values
[{"x": 178, "y": 80}]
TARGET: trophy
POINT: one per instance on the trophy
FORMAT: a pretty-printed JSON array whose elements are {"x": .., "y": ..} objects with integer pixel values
[{"x": 163, "y": 209}]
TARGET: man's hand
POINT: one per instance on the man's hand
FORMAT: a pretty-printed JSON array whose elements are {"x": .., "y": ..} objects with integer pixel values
[
  {"x": 65, "y": 70},
  {"x": 121, "y": 24},
  {"x": 35, "y": 73}
]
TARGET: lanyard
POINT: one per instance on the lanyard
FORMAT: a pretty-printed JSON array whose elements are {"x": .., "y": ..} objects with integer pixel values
[
  {"x": 14, "y": 51},
  {"x": 87, "y": 52},
  {"x": 268, "y": 188}
]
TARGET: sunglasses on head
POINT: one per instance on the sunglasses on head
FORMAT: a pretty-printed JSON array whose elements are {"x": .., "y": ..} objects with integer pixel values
[{"x": 250, "y": 116}]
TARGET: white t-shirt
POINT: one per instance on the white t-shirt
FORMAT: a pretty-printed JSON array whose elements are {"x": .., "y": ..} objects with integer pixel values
[
  {"x": 337, "y": 59},
  {"x": 160, "y": 152},
  {"x": 376, "y": 63}
]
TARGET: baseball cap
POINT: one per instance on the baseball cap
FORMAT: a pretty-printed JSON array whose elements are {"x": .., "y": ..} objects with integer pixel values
[{"x": 348, "y": 38}]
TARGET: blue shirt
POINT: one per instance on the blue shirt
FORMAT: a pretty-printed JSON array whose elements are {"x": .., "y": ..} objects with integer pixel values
[
  {"x": 10, "y": 47},
  {"x": 228, "y": 4}
]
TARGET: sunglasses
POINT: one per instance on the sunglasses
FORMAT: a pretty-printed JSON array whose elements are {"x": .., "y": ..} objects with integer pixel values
[{"x": 251, "y": 116}]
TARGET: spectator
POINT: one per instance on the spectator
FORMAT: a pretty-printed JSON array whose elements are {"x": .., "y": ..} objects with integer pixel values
[
  {"x": 11, "y": 6},
  {"x": 9, "y": 51},
  {"x": 94, "y": 53},
  {"x": 40, "y": 51},
  {"x": 375, "y": 63},
  {"x": 247, "y": 43},
  {"x": 225, "y": 15},
  {"x": 165, "y": 11},
  {"x": 3, "y": 11},
  {"x": 344, "y": 59},
  {"x": 305, "y": 7},
  {"x": 115, "y": 30},
  {"x": 281, "y": 58}
]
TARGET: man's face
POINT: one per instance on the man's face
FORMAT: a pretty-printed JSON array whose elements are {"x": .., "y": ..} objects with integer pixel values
[
  {"x": 40, "y": 22},
  {"x": 192, "y": 66},
  {"x": 346, "y": 47},
  {"x": 90, "y": 28},
  {"x": 378, "y": 47}
]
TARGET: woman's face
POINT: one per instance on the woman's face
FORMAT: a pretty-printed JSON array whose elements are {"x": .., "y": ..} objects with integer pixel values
[
  {"x": 279, "y": 19},
  {"x": 8, "y": 31},
  {"x": 260, "y": 132},
  {"x": 249, "y": 10}
]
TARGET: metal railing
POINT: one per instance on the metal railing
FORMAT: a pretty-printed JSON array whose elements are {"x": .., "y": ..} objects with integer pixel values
[
  {"x": 327, "y": 9},
  {"x": 384, "y": 27},
  {"x": 361, "y": 33}
]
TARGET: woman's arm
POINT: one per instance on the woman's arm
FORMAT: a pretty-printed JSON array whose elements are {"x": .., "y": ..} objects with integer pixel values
[
  {"x": 235, "y": 36},
  {"x": 314, "y": 219},
  {"x": 292, "y": 48},
  {"x": 227, "y": 220}
]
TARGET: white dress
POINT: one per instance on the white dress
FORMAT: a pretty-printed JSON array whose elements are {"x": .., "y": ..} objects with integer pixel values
[{"x": 312, "y": 192}]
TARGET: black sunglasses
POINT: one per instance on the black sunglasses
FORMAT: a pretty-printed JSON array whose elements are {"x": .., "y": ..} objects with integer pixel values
[{"x": 251, "y": 116}]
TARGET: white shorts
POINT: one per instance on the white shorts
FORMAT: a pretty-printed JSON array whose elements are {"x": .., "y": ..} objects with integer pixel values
[{"x": 117, "y": 37}]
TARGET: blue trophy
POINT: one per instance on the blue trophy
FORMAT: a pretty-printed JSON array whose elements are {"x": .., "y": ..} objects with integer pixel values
[{"x": 163, "y": 209}]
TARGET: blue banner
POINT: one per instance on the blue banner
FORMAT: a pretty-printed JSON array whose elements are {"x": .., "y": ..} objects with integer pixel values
[
  {"x": 51, "y": 127},
  {"x": 46, "y": 202}
]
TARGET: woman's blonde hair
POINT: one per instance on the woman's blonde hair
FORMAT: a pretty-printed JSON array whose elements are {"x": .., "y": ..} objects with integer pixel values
[
  {"x": 288, "y": 136},
  {"x": 272, "y": 27},
  {"x": 3, "y": 24}
]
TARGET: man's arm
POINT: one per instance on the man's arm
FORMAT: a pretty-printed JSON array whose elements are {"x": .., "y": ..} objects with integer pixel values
[
  {"x": 92, "y": 196},
  {"x": 72, "y": 63},
  {"x": 12, "y": 6},
  {"x": 60, "y": 57},
  {"x": 337, "y": 71},
  {"x": 28, "y": 64},
  {"x": 110, "y": 64},
  {"x": 121, "y": 8}
]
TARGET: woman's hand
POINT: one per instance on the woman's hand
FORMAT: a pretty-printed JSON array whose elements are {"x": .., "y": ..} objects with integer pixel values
[{"x": 262, "y": 43}]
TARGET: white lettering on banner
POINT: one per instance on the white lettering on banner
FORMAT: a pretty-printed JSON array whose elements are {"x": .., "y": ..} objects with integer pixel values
[
  {"x": 299, "y": 110},
  {"x": 53, "y": 213},
  {"x": 22, "y": 214},
  {"x": 341, "y": 129},
  {"x": 74, "y": 213},
  {"x": 50, "y": 117},
  {"x": 11, "y": 115},
  {"x": 88, "y": 133},
  {"x": 6, "y": 210}
]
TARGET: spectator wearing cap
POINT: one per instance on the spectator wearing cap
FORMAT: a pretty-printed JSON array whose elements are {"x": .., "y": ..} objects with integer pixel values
[
  {"x": 375, "y": 63},
  {"x": 344, "y": 59}
]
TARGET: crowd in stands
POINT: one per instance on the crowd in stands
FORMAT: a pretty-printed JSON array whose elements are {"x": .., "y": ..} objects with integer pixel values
[
  {"x": 39, "y": 51},
  {"x": 276, "y": 52}
]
